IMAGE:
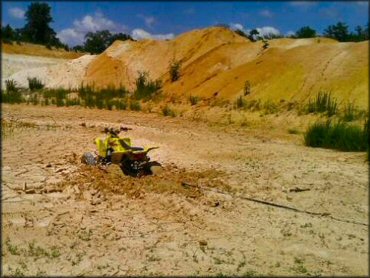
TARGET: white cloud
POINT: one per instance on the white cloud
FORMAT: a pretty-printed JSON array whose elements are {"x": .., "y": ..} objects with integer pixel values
[
  {"x": 16, "y": 12},
  {"x": 140, "y": 34},
  {"x": 266, "y": 13},
  {"x": 235, "y": 26},
  {"x": 149, "y": 20},
  {"x": 267, "y": 31},
  {"x": 71, "y": 36},
  {"x": 95, "y": 23},
  {"x": 362, "y": 3},
  {"x": 290, "y": 33},
  {"x": 89, "y": 23}
]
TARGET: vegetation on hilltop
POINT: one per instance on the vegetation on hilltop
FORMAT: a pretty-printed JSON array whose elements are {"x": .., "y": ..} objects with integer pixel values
[{"x": 37, "y": 30}]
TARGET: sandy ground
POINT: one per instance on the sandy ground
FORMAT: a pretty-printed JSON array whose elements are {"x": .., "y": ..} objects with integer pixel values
[{"x": 63, "y": 218}]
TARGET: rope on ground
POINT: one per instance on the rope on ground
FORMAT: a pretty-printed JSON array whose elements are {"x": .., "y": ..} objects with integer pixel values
[{"x": 323, "y": 214}]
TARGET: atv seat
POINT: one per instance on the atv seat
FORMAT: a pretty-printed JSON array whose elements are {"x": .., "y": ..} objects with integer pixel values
[
  {"x": 135, "y": 148},
  {"x": 128, "y": 147}
]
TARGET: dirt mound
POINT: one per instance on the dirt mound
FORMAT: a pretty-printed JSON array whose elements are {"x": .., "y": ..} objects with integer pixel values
[
  {"x": 218, "y": 62},
  {"x": 38, "y": 50},
  {"x": 68, "y": 74}
]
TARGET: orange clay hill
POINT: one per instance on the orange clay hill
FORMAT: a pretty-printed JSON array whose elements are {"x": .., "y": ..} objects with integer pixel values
[{"x": 218, "y": 62}]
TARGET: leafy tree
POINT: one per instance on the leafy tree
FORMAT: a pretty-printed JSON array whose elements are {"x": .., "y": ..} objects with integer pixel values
[
  {"x": 78, "y": 48},
  {"x": 362, "y": 33},
  {"x": 37, "y": 29},
  {"x": 338, "y": 31},
  {"x": 305, "y": 32},
  {"x": 253, "y": 35},
  {"x": 7, "y": 33},
  {"x": 97, "y": 42}
]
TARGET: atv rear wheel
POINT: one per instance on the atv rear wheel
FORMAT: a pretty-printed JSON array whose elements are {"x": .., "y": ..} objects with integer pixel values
[{"x": 153, "y": 168}]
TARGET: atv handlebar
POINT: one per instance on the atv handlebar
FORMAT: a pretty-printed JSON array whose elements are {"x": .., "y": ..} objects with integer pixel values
[{"x": 115, "y": 132}]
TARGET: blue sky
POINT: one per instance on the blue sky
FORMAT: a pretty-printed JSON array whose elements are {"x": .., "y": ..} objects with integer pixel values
[{"x": 163, "y": 20}]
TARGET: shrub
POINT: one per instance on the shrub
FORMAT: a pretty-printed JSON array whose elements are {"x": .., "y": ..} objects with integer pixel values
[
  {"x": 12, "y": 97},
  {"x": 72, "y": 102},
  {"x": 175, "y": 70},
  {"x": 13, "y": 94},
  {"x": 350, "y": 112},
  {"x": 34, "y": 99},
  {"x": 108, "y": 104},
  {"x": 338, "y": 135},
  {"x": 111, "y": 92},
  {"x": 146, "y": 88},
  {"x": 323, "y": 103},
  {"x": 240, "y": 102},
  {"x": 247, "y": 88},
  {"x": 120, "y": 104},
  {"x": 270, "y": 107},
  {"x": 193, "y": 100},
  {"x": 35, "y": 84},
  {"x": 293, "y": 131},
  {"x": 167, "y": 111},
  {"x": 135, "y": 105},
  {"x": 99, "y": 100},
  {"x": 11, "y": 86},
  {"x": 253, "y": 104}
]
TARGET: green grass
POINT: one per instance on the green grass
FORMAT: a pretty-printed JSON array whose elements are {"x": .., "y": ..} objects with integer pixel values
[
  {"x": 13, "y": 249},
  {"x": 135, "y": 105},
  {"x": 167, "y": 111},
  {"x": 323, "y": 103},
  {"x": 240, "y": 103},
  {"x": 293, "y": 131},
  {"x": 146, "y": 88},
  {"x": 35, "y": 84},
  {"x": 11, "y": 86},
  {"x": 12, "y": 94},
  {"x": 193, "y": 100},
  {"x": 337, "y": 135},
  {"x": 270, "y": 107},
  {"x": 175, "y": 70}
]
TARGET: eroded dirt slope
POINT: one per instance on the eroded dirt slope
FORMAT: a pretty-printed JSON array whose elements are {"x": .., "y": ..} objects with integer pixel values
[
  {"x": 218, "y": 62},
  {"x": 63, "y": 218}
]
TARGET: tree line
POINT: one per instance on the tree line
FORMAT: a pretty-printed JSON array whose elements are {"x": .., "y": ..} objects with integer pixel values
[
  {"x": 37, "y": 30},
  {"x": 339, "y": 32}
]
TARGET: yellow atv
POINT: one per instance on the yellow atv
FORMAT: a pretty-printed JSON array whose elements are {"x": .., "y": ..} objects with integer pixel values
[{"x": 133, "y": 161}]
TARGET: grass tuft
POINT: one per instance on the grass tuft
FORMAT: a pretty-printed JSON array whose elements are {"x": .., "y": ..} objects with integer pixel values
[
  {"x": 146, "y": 88},
  {"x": 337, "y": 135},
  {"x": 167, "y": 111},
  {"x": 193, "y": 100},
  {"x": 323, "y": 103},
  {"x": 35, "y": 84}
]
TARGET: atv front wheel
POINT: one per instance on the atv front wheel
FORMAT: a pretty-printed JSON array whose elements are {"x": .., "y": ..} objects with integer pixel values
[{"x": 89, "y": 159}]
